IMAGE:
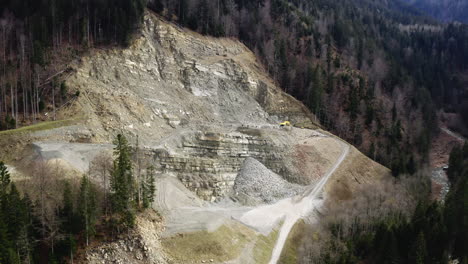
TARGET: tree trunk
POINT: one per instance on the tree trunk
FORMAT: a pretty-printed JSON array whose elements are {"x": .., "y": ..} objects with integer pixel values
[{"x": 53, "y": 100}]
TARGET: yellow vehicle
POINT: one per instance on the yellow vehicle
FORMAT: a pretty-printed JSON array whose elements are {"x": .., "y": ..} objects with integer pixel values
[{"x": 285, "y": 123}]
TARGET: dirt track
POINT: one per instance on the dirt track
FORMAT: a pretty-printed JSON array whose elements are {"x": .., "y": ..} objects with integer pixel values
[
  {"x": 193, "y": 214},
  {"x": 290, "y": 209}
]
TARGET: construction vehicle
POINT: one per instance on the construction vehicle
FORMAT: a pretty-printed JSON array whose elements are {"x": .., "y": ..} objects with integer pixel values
[{"x": 285, "y": 123}]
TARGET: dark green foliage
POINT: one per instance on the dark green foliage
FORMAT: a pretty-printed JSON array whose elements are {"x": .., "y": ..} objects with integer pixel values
[
  {"x": 4, "y": 179},
  {"x": 448, "y": 10},
  {"x": 78, "y": 214},
  {"x": 457, "y": 162},
  {"x": 149, "y": 187},
  {"x": 87, "y": 208},
  {"x": 340, "y": 33},
  {"x": 123, "y": 184},
  {"x": 16, "y": 237},
  {"x": 353, "y": 104},
  {"x": 63, "y": 89}
]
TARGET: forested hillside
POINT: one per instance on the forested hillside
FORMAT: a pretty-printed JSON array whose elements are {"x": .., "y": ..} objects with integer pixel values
[
  {"x": 398, "y": 225},
  {"x": 374, "y": 70},
  {"x": 36, "y": 228},
  {"x": 444, "y": 10},
  {"x": 39, "y": 38},
  {"x": 376, "y": 73}
]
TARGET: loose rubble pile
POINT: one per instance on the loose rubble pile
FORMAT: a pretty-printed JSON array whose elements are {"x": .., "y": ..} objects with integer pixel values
[
  {"x": 255, "y": 184},
  {"x": 142, "y": 245},
  {"x": 441, "y": 182}
]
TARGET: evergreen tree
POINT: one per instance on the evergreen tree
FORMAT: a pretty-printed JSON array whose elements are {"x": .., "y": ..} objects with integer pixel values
[
  {"x": 4, "y": 179},
  {"x": 149, "y": 187},
  {"x": 67, "y": 211},
  {"x": 87, "y": 209},
  {"x": 122, "y": 183}
]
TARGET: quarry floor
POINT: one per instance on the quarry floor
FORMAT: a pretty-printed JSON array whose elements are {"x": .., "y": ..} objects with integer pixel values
[{"x": 185, "y": 213}]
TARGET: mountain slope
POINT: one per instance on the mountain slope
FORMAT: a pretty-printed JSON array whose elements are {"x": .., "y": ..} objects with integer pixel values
[
  {"x": 378, "y": 70},
  {"x": 444, "y": 10},
  {"x": 198, "y": 106}
]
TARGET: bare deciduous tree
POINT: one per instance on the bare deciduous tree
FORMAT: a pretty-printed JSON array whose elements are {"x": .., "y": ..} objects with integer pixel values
[
  {"x": 44, "y": 187},
  {"x": 100, "y": 170}
]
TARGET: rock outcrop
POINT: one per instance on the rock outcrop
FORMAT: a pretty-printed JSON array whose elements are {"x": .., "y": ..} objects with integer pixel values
[
  {"x": 171, "y": 78},
  {"x": 201, "y": 105},
  {"x": 139, "y": 246},
  {"x": 207, "y": 163}
]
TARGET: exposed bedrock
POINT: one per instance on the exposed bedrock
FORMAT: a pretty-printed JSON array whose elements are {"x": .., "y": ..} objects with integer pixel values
[{"x": 208, "y": 162}]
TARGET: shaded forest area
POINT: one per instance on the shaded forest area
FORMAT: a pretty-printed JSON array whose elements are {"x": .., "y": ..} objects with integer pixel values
[
  {"x": 367, "y": 69},
  {"x": 50, "y": 217},
  {"x": 39, "y": 38},
  {"x": 398, "y": 223},
  {"x": 444, "y": 10}
]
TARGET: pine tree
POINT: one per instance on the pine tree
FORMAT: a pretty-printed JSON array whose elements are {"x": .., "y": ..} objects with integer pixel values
[
  {"x": 66, "y": 211},
  {"x": 122, "y": 183},
  {"x": 87, "y": 209},
  {"x": 149, "y": 188},
  {"x": 4, "y": 179},
  {"x": 4, "y": 241}
]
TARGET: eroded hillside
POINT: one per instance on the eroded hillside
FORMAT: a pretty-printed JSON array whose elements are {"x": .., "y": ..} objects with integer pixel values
[{"x": 200, "y": 109}]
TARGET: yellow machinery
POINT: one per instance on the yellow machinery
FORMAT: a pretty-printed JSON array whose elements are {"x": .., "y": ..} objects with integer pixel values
[{"x": 285, "y": 123}]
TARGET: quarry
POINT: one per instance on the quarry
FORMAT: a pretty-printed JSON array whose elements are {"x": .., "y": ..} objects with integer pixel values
[{"x": 231, "y": 183}]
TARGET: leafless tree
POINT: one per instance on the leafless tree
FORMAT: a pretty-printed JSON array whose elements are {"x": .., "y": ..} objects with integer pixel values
[
  {"x": 100, "y": 170},
  {"x": 44, "y": 187}
]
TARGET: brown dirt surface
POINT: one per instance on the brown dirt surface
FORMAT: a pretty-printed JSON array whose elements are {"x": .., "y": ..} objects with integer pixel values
[
  {"x": 357, "y": 169},
  {"x": 441, "y": 147}
]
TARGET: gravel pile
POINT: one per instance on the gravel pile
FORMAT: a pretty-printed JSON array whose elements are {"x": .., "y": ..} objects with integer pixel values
[{"x": 255, "y": 184}]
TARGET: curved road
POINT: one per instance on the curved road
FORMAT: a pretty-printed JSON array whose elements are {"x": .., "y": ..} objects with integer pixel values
[
  {"x": 304, "y": 206},
  {"x": 290, "y": 210},
  {"x": 453, "y": 134}
]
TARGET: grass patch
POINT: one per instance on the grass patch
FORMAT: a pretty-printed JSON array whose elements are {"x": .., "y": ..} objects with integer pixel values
[
  {"x": 39, "y": 126},
  {"x": 289, "y": 255},
  {"x": 15, "y": 142},
  {"x": 224, "y": 244},
  {"x": 264, "y": 246}
]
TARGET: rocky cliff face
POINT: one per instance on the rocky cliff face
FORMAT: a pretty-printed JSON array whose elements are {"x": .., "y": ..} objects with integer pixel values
[
  {"x": 171, "y": 78},
  {"x": 199, "y": 104},
  {"x": 199, "y": 108},
  {"x": 208, "y": 162}
]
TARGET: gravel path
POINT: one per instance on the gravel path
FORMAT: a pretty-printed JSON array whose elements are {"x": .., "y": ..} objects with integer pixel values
[
  {"x": 303, "y": 207},
  {"x": 453, "y": 134},
  {"x": 290, "y": 210}
]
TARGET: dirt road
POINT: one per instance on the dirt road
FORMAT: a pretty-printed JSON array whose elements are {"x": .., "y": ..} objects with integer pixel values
[
  {"x": 289, "y": 210},
  {"x": 453, "y": 134},
  {"x": 304, "y": 207}
]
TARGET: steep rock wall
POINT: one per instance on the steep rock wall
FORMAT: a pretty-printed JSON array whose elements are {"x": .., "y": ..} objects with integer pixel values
[{"x": 208, "y": 162}]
